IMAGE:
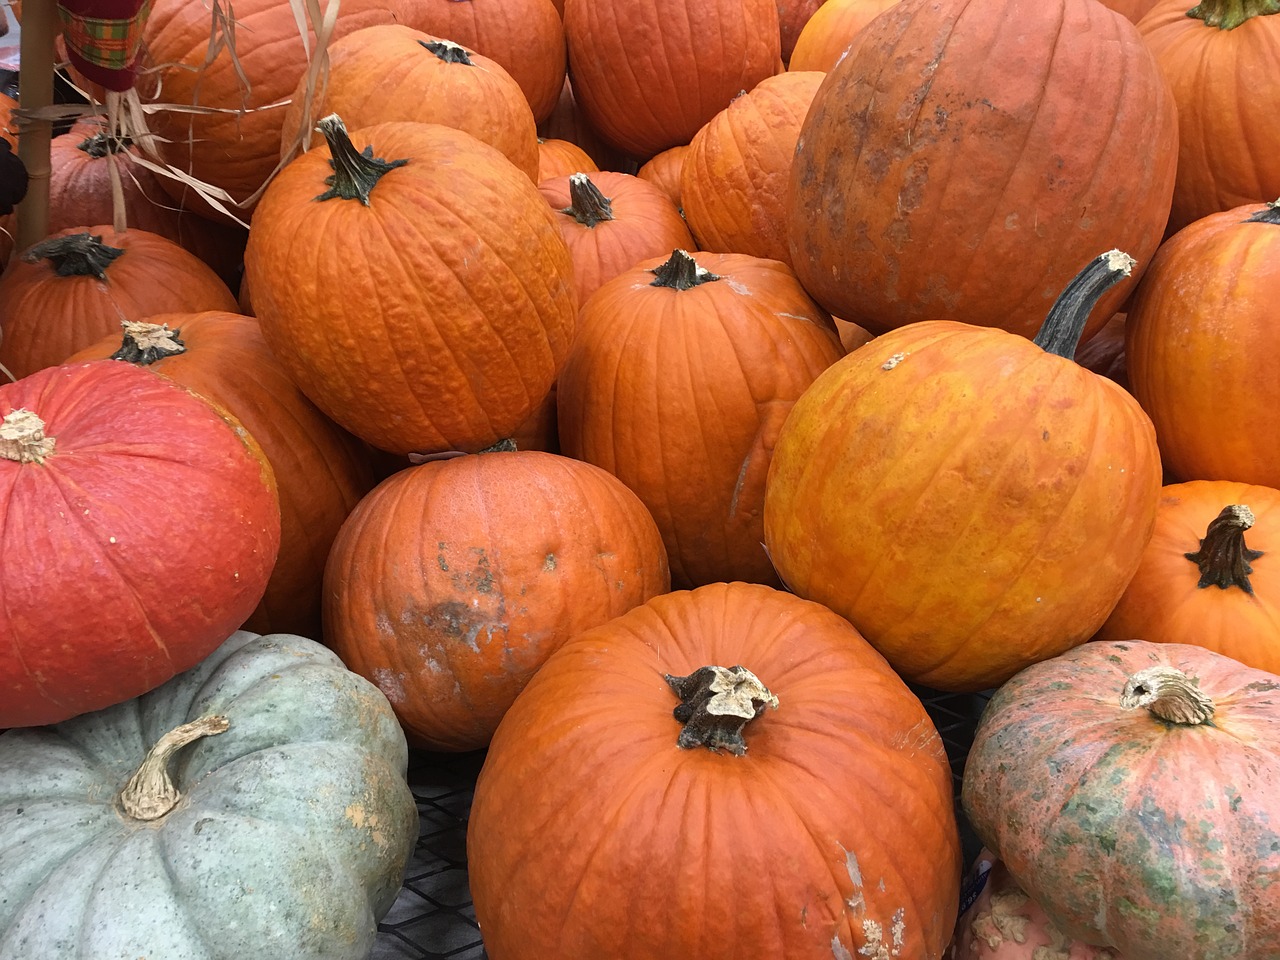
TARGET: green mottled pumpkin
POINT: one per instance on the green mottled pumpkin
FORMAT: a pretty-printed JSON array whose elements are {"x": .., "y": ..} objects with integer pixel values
[{"x": 285, "y": 836}]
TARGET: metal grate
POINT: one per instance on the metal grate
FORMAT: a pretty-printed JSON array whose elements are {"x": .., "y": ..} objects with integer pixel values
[{"x": 433, "y": 918}]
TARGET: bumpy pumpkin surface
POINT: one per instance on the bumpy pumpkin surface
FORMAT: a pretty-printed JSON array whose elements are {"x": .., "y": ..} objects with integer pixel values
[
  {"x": 1133, "y": 791},
  {"x": 822, "y": 829},
  {"x": 286, "y": 834}
]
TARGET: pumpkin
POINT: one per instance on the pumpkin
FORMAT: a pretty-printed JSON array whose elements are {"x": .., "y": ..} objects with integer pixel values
[
  {"x": 612, "y": 221},
  {"x": 256, "y": 803},
  {"x": 393, "y": 72},
  {"x": 973, "y": 153},
  {"x": 463, "y": 289},
  {"x": 971, "y": 501},
  {"x": 1206, "y": 575},
  {"x": 321, "y": 471},
  {"x": 649, "y": 75},
  {"x": 720, "y": 773},
  {"x": 566, "y": 122},
  {"x": 1104, "y": 352},
  {"x": 831, "y": 30},
  {"x": 733, "y": 179},
  {"x": 682, "y": 374},
  {"x": 1133, "y": 10},
  {"x": 455, "y": 579},
  {"x": 1194, "y": 333},
  {"x": 139, "y": 528},
  {"x": 664, "y": 170},
  {"x": 1000, "y": 922},
  {"x": 792, "y": 16},
  {"x": 559, "y": 158},
  {"x": 852, "y": 336},
  {"x": 1219, "y": 57},
  {"x": 73, "y": 288},
  {"x": 525, "y": 37},
  {"x": 80, "y": 164},
  {"x": 235, "y": 146},
  {"x": 1130, "y": 789}
]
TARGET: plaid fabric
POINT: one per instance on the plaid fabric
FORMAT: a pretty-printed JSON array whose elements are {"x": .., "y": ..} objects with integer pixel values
[{"x": 110, "y": 44}]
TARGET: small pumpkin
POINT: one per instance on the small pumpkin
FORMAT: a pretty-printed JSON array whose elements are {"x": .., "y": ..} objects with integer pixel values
[
  {"x": 139, "y": 527},
  {"x": 1131, "y": 790},
  {"x": 559, "y": 158},
  {"x": 831, "y": 30},
  {"x": 255, "y": 803},
  {"x": 724, "y": 772},
  {"x": 664, "y": 169}
]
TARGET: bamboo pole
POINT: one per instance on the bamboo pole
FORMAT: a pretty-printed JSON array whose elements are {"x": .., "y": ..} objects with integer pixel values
[{"x": 35, "y": 79}]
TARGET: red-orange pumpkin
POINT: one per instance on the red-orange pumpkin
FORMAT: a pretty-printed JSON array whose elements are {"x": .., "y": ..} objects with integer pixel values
[
  {"x": 439, "y": 303},
  {"x": 559, "y": 158},
  {"x": 831, "y": 30},
  {"x": 649, "y": 74},
  {"x": 679, "y": 381},
  {"x": 454, "y": 580},
  {"x": 971, "y": 502},
  {"x": 566, "y": 122},
  {"x": 138, "y": 526},
  {"x": 947, "y": 168},
  {"x": 829, "y": 834},
  {"x": 1133, "y": 10},
  {"x": 664, "y": 169},
  {"x": 321, "y": 471},
  {"x": 71, "y": 290}
]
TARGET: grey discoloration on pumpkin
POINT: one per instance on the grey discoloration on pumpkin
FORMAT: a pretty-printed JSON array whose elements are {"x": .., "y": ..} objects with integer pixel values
[{"x": 839, "y": 950}]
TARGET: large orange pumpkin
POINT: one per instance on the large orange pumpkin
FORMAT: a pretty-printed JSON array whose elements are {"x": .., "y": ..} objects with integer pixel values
[
  {"x": 454, "y": 580},
  {"x": 138, "y": 526},
  {"x": 948, "y": 169},
  {"x": 321, "y": 472},
  {"x": 438, "y": 306},
  {"x": 649, "y": 73},
  {"x": 1196, "y": 336},
  {"x": 72, "y": 289},
  {"x": 681, "y": 377},
  {"x": 818, "y": 824},
  {"x": 971, "y": 501}
]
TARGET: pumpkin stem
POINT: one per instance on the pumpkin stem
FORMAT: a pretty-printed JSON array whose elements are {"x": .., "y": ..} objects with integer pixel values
[
  {"x": 1223, "y": 558},
  {"x": 99, "y": 144},
  {"x": 22, "y": 438},
  {"x": 75, "y": 255},
  {"x": 1169, "y": 694},
  {"x": 715, "y": 704},
  {"x": 1229, "y": 14},
  {"x": 150, "y": 793},
  {"x": 145, "y": 343},
  {"x": 355, "y": 173},
  {"x": 587, "y": 204},
  {"x": 1060, "y": 333},
  {"x": 448, "y": 51},
  {"x": 1271, "y": 214},
  {"x": 681, "y": 272}
]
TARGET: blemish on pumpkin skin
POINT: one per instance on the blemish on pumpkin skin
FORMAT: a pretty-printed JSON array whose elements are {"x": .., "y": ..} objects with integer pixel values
[{"x": 839, "y": 950}]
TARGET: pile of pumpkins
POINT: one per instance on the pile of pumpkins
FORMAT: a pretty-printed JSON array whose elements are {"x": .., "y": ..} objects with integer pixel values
[{"x": 651, "y": 394}]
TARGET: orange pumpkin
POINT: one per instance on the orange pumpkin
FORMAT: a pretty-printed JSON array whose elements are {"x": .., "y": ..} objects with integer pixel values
[
  {"x": 831, "y": 30},
  {"x": 433, "y": 81},
  {"x": 447, "y": 328},
  {"x": 321, "y": 472},
  {"x": 680, "y": 379},
  {"x": 442, "y": 591},
  {"x": 664, "y": 169},
  {"x": 1133, "y": 10},
  {"x": 559, "y": 158},
  {"x": 72, "y": 289},
  {"x": 612, "y": 221},
  {"x": 733, "y": 181},
  {"x": 818, "y": 824},
  {"x": 566, "y": 122},
  {"x": 792, "y": 16}
]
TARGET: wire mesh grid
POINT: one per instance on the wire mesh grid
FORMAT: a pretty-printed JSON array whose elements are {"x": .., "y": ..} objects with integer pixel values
[{"x": 433, "y": 918}]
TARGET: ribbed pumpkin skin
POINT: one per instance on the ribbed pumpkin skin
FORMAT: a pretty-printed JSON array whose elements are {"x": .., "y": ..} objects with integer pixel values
[
  {"x": 733, "y": 181},
  {"x": 681, "y": 394},
  {"x": 1158, "y": 839},
  {"x": 664, "y": 170},
  {"x": 1223, "y": 82},
  {"x": 321, "y": 471},
  {"x": 833, "y": 835},
  {"x": 137, "y": 547},
  {"x": 559, "y": 158},
  {"x": 649, "y": 73},
  {"x": 290, "y": 839},
  {"x": 952, "y": 142},
  {"x": 830, "y": 30},
  {"x": 45, "y": 318},
  {"x": 1163, "y": 603},
  {"x": 645, "y": 224},
  {"x": 454, "y": 581},
  {"x": 525, "y": 36},
  {"x": 383, "y": 73},
  {"x": 972, "y": 506},
  {"x": 1195, "y": 332},
  {"x": 450, "y": 326}
]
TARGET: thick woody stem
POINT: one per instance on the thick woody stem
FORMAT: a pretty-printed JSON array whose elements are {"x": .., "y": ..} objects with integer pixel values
[
  {"x": 1169, "y": 694},
  {"x": 150, "y": 792}
]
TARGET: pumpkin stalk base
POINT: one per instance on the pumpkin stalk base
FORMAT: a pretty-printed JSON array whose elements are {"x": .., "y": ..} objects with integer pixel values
[
  {"x": 1060, "y": 334},
  {"x": 1223, "y": 558},
  {"x": 355, "y": 172},
  {"x": 587, "y": 204},
  {"x": 715, "y": 704},
  {"x": 22, "y": 438},
  {"x": 145, "y": 343},
  {"x": 1271, "y": 214},
  {"x": 75, "y": 255},
  {"x": 1170, "y": 695},
  {"x": 150, "y": 792},
  {"x": 681, "y": 272},
  {"x": 1229, "y": 14}
]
